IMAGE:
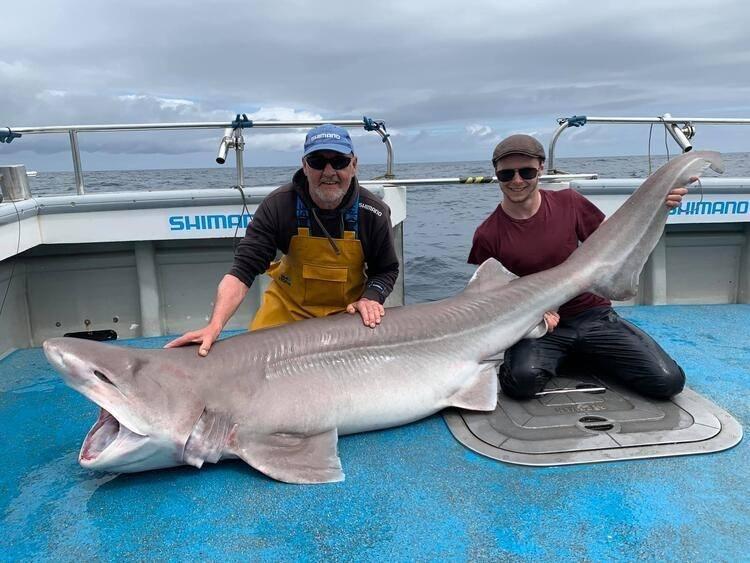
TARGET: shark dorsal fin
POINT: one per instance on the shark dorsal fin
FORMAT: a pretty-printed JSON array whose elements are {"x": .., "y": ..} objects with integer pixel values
[{"x": 490, "y": 275}]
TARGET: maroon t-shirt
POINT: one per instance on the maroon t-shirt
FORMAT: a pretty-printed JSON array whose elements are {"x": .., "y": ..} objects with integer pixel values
[{"x": 527, "y": 246}]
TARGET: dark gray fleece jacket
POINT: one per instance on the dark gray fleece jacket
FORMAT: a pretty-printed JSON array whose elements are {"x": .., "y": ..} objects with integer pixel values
[{"x": 275, "y": 223}]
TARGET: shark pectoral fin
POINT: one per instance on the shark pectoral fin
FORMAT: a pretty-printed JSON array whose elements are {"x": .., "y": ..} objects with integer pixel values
[
  {"x": 489, "y": 275},
  {"x": 292, "y": 458},
  {"x": 480, "y": 394}
]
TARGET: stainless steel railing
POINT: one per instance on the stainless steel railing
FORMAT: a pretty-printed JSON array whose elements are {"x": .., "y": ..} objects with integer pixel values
[
  {"x": 233, "y": 137},
  {"x": 544, "y": 178},
  {"x": 682, "y": 129}
]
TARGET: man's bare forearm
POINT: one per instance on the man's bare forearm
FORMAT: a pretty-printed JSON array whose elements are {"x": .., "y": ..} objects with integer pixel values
[{"x": 229, "y": 295}]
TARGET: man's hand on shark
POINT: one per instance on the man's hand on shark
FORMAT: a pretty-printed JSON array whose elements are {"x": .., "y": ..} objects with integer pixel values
[
  {"x": 205, "y": 336},
  {"x": 552, "y": 319},
  {"x": 370, "y": 311},
  {"x": 674, "y": 198}
]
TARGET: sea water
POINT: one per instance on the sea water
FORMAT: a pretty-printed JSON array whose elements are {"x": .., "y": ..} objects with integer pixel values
[{"x": 440, "y": 219}]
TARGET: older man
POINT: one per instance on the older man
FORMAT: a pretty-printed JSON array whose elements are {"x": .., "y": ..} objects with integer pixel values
[
  {"x": 337, "y": 242},
  {"x": 534, "y": 230}
]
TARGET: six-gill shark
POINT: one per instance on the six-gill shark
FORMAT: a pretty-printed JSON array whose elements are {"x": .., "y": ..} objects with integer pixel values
[{"x": 279, "y": 398}]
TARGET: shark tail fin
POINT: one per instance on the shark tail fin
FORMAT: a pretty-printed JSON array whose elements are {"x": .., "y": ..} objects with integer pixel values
[{"x": 619, "y": 267}]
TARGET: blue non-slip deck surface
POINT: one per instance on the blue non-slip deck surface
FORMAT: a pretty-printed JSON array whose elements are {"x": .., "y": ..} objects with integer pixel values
[{"x": 410, "y": 493}]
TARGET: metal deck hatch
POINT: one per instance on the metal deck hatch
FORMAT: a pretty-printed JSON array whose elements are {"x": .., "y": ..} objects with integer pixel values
[{"x": 580, "y": 419}]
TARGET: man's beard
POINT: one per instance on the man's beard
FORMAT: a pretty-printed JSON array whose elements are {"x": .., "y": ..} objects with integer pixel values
[{"x": 328, "y": 198}]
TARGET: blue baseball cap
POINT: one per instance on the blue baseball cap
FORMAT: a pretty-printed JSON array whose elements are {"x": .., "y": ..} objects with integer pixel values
[{"x": 328, "y": 137}]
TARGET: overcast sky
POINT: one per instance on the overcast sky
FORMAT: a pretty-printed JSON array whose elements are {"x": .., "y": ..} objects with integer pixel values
[{"x": 449, "y": 78}]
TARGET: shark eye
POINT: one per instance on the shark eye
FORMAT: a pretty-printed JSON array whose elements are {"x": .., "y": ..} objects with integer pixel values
[{"x": 103, "y": 377}]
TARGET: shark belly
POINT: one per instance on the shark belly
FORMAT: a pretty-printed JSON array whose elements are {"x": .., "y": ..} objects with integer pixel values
[{"x": 407, "y": 396}]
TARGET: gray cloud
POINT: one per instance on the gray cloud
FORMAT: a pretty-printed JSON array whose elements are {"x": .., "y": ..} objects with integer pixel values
[{"x": 439, "y": 72}]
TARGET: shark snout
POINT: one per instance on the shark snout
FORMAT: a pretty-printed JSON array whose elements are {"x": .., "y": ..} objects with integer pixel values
[
  {"x": 69, "y": 357},
  {"x": 54, "y": 353}
]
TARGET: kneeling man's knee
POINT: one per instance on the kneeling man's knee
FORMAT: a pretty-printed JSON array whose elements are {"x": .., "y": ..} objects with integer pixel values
[
  {"x": 521, "y": 382},
  {"x": 669, "y": 382}
]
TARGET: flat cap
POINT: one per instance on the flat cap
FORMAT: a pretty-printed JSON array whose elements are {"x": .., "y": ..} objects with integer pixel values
[{"x": 518, "y": 144}]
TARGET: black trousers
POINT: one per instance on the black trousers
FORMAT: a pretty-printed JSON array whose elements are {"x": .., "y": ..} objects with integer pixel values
[{"x": 599, "y": 341}]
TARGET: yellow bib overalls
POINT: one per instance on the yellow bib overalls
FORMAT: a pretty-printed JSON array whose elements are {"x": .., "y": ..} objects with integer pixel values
[{"x": 311, "y": 279}]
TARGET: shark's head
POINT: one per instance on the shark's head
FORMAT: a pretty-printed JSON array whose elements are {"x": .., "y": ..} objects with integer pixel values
[{"x": 147, "y": 408}]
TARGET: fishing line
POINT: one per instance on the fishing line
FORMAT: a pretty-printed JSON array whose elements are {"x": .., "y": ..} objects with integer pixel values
[
  {"x": 242, "y": 214},
  {"x": 13, "y": 265},
  {"x": 700, "y": 184},
  {"x": 666, "y": 145},
  {"x": 650, "y": 129}
]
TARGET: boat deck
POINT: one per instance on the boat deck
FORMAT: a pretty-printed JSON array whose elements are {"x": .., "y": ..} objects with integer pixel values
[{"x": 411, "y": 493}]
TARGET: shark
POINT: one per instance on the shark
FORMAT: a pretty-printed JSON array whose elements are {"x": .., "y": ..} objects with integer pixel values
[{"x": 279, "y": 398}]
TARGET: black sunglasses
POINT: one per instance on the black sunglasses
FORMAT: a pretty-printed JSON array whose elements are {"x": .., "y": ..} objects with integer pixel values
[
  {"x": 507, "y": 175},
  {"x": 318, "y": 162}
]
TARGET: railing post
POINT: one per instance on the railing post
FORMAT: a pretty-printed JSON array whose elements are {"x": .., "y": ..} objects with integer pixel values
[
  {"x": 389, "y": 158},
  {"x": 239, "y": 147},
  {"x": 551, "y": 156},
  {"x": 76, "y": 161}
]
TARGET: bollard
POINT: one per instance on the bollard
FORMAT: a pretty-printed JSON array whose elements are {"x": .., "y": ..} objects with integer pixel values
[{"x": 14, "y": 183}]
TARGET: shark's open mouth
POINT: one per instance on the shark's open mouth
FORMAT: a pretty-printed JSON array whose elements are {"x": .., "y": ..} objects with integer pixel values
[{"x": 107, "y": 430}]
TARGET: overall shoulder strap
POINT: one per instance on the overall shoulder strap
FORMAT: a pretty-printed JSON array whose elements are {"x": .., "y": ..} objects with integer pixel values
[
  {"x": 351, "y": 218},
  {"x": 303, "y": 214}
]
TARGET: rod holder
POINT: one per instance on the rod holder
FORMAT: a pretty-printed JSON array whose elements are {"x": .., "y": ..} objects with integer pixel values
[
  {"x": 681, "y": 135},
  {"x": 226, "y": 143}
]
